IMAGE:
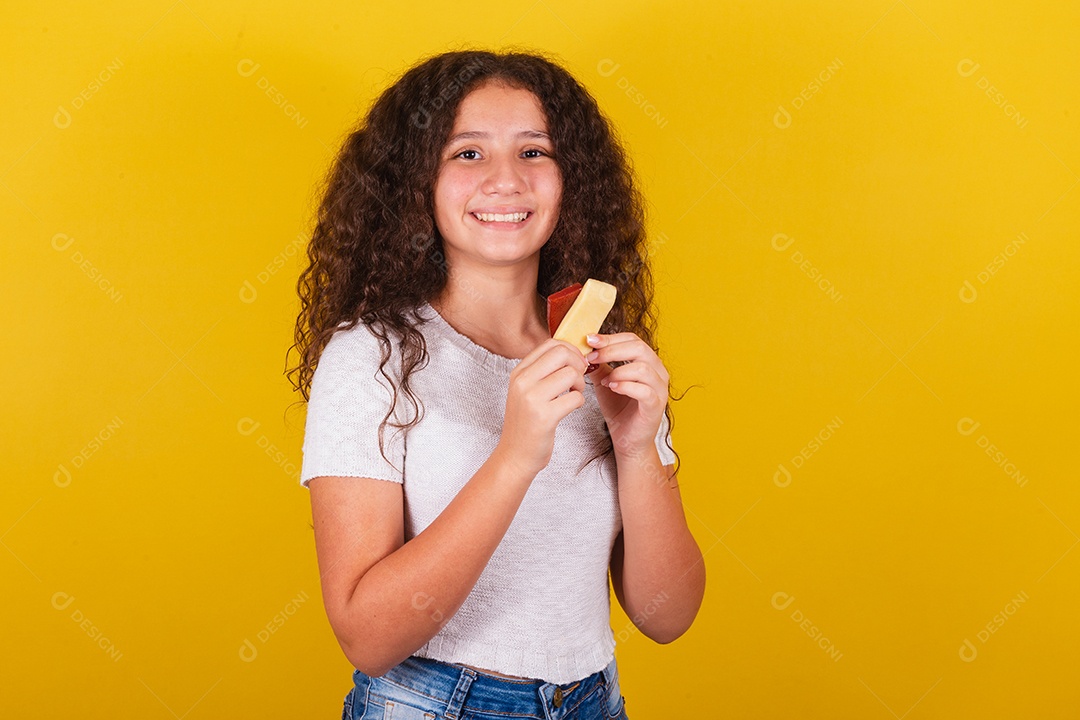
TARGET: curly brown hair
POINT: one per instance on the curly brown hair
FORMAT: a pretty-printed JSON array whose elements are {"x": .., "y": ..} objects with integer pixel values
[{"x": 376, "y": 254}]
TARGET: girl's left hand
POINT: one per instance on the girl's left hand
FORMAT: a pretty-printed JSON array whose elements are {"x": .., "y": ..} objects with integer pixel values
[{"x": 633, "y": 396}]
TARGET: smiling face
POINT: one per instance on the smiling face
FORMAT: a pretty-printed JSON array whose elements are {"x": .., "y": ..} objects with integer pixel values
[{"x": 498, "y": 191}]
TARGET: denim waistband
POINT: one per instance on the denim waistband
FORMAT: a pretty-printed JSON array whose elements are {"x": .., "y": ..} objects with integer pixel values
[{"x": 460, "y": 687}]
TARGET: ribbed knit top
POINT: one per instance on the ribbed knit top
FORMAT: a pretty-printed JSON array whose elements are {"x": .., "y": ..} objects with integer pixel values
[{"x": 541, "y": 606}]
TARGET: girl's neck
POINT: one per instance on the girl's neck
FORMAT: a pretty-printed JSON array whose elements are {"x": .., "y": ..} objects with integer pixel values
[{"x": 510, "y": 327}]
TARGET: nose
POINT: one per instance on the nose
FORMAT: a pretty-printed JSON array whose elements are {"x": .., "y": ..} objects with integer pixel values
[{"x": 504, "y": 175}]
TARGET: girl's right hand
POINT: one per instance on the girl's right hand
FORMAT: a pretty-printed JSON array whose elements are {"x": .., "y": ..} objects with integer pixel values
[{"x": 546, "y": 386}]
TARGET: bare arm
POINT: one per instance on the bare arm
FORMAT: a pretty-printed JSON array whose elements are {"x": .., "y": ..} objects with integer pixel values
[
  {"x": 406, "y": 591},
  {"x": 657, "y": 569}
]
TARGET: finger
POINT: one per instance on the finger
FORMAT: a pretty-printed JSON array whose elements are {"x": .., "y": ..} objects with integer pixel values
[
  {"x": 547, "y": 346},
  {"x": 636, "y": 390},
  {"x": 624, "y": 352},
  {"x": 646, "y": 396},
  {"x": 637, "y": 372},
  {"x": 615, "y": 338},
  {"x": 575, "y": 351},
  {"x": 549, "y": 356},
  {"x": 579, "y": 383},
  {"x": 569, "y": 402},
  {"x": 563, "y": 379}
]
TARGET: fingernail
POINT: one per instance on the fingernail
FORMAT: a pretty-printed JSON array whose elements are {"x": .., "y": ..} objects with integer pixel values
[
  {"x": 592, "y": 356},
  {"x": 592, "y": 339}
]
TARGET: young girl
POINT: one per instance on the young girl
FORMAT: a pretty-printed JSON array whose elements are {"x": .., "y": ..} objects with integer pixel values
[{"x": 464, "y": 556}]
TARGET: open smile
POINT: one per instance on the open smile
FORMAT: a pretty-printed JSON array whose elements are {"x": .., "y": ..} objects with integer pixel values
[{"x": 496, "y": 221}]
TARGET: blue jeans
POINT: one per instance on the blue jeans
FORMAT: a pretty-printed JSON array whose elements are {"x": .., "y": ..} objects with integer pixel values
[{"x": 425, "y": 689}]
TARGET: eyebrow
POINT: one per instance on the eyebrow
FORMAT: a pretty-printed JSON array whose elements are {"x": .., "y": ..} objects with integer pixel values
[{"x": 478, "y": 134}]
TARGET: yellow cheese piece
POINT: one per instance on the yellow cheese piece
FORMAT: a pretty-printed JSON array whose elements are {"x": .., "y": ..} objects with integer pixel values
[{"x": 587, "y": 314}]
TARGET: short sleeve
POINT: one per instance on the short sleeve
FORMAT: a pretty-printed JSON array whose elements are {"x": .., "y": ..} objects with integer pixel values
[
  {"x": 667, "y": 457},
  {"x": 346, "y": 404}
]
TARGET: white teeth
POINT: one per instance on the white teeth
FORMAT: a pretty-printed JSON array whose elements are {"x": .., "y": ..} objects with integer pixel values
[{"x": 495, "y": 217}]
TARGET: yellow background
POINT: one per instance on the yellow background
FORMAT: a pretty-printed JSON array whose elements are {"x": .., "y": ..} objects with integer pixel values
[{"x": 156, "y": 201}]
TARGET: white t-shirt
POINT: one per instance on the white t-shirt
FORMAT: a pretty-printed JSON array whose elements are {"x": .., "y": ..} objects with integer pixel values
[{"x": 541, "y": 606}]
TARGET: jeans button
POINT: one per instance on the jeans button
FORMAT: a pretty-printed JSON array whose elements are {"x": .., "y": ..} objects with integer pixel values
[{"x": 557, "y": 701}]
